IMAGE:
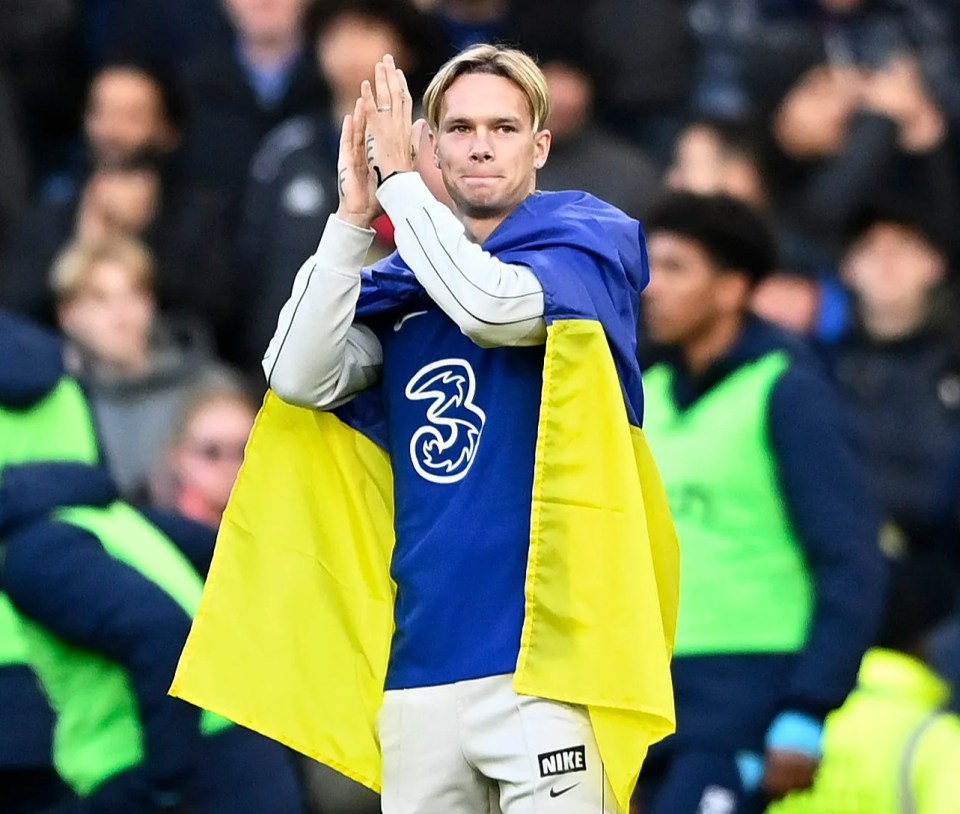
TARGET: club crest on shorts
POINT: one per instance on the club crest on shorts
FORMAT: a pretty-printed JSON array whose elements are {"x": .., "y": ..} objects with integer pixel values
[
  {"x": 563, "y": 761},
  {"x": 443, "y": 450}
]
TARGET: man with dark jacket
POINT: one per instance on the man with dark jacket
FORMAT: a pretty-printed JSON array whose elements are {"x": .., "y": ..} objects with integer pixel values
[
  {"x": 781, "y": 572},
  {"x": 898, "y": 366},
  {"x": 237, "y": 93}
]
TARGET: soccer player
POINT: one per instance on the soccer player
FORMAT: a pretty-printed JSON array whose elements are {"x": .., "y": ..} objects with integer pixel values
[
  {"x": 781, "y": 570},
  {"x": 497, "y": 348}
]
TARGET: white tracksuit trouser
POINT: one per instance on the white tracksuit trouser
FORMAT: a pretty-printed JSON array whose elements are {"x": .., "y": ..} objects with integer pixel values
[{"x": 476, "y": 747}]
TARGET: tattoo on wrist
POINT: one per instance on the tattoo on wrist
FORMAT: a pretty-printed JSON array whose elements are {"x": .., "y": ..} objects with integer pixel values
[{"x": 341, "y": 178}]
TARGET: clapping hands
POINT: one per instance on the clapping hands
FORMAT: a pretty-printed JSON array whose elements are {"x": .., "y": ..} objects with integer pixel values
[{"x": 377, "y": 141}]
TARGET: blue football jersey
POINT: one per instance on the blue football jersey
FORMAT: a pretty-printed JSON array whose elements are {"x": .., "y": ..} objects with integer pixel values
[{"x": 462, "y": 428}]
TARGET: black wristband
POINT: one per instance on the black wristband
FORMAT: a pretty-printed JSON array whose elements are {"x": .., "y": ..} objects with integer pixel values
[{"x": 381, "y": 180}]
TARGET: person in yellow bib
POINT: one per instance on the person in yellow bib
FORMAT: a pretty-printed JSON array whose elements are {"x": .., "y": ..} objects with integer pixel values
[
  {"x": 100, "y": 599},
  {"x": 781, "y": 572},
  {"x": 894, "y": 746}
]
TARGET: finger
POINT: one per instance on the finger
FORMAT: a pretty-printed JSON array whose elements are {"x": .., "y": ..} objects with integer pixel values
[
  {"x": 346, "y": 141},
  {"x": 394, "y": 84},
  {"x": 359, "y": 131},
  {"x": 383, "y": 89},
  {"x": 406, "y": 100},
  {"x": 367, "y": 97}
]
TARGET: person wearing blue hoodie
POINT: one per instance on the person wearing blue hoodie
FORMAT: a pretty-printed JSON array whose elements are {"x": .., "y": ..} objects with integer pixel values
[
  {"x": 782, "y": 577},
  {"x": 99, "y": 600}
]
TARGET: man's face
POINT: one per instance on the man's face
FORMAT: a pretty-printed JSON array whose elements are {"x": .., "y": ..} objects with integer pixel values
[
  {"x": 110, "y": 314},
  {"x": 892, "y": 266},
  {"x": 266, "y": 20},
  {"x": 486, "y": 146},
  {"x": 125, "y": 117},
  {"x": 686, "y": 293}
]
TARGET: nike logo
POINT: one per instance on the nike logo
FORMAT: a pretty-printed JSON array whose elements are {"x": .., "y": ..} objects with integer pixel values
[
  {"x": 405, "y": 317},
  {"x": 555, "y": 793}
]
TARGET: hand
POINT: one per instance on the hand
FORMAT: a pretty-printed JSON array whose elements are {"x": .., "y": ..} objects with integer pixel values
[
  {"x": 356, "y": 185},
  {"x": 786, "y": 771},
  {"x": 389, "y": 110},
  {"x": 898, "y": 91}
]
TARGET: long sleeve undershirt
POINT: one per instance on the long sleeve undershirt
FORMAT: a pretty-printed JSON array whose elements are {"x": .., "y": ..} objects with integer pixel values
[{"x": 319, "y": 358}]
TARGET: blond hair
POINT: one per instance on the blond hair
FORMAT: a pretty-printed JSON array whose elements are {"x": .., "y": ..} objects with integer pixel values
[
  {"x": 496, "y": 60},
  {"x": 73, "y": 265}
]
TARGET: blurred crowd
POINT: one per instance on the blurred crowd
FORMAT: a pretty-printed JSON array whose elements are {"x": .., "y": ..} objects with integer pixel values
[{"x": 166, "y": 166}]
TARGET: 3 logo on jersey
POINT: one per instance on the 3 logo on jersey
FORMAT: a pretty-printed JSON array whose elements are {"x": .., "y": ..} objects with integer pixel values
[{"x": 443, "y": 450}]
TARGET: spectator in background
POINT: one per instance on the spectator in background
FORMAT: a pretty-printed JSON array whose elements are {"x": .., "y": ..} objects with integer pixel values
[
  {"x": 725, "y": 155},
  {"x": 42, "y": 60},
  {"x": 529, "y": 23},
  {"x": 105, "y": 598},
  {"x": 138, "y": 366},
  {"x": 781, "y": 572},
  {"x": 738, "y": 37},
  {"x": 719, "y": 156},
  {"x": 649, "y": 56},
  {"x": 292, "y": 185},
  {"x": 131, "y": 183},
  {"x": 30, "y": 368},
  {"x": 583, "y": 154},
  {"x": 236, "y": 94},
  {"x": 170, "y": 33},
  {"x": 898, "y": 367},
  {"x": 893, "y": 746},
  {"x": 205, "y": 453},
  {"x": 839, "y": 138}
]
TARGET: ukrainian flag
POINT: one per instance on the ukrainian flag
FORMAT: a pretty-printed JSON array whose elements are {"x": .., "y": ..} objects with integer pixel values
[{"x": 293, "y": 635}]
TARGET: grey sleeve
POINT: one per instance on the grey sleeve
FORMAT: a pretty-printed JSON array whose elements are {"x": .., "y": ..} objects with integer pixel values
[
  {"x": 493, "y": 303},
  {"x": 318, "y": 358}
]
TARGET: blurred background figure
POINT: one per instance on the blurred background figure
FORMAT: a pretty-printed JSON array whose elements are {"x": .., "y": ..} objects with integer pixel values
[
  {"x": 584, "y": 154},
  {"x": 839, "y": 137},
  {"x": 738, "y": 37},
  {"x": 42, "y": 67},
  {"x": 898, "y": 367},
  {"x": 292, "y": 186},
  {"x": 30, "y": 369},
  {"x": 138, "y": 366},
  {"x": 782, "y": 574},
  {"x": 236, "y": 93},
  {"x": 720, "y": 155},
  {"x": 104, "y": 599},
  {"x": 893, "y": 745},
  {"x": 649, "y": 53},
  {"x": 171, "y": 33},
  {"x": 205, "y": 453},
  {"x": 130, "y": 181}
]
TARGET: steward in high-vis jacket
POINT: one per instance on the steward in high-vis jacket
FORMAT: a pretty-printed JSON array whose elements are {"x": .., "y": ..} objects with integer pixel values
[
  {"x": 781, "y": 574},
  {"x": 894, "y": 746},
  {"x": 103, "y": 599}
]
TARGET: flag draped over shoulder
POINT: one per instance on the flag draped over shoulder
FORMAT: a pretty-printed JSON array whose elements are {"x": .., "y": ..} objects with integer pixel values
[{"x": 292, "y": 637}]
